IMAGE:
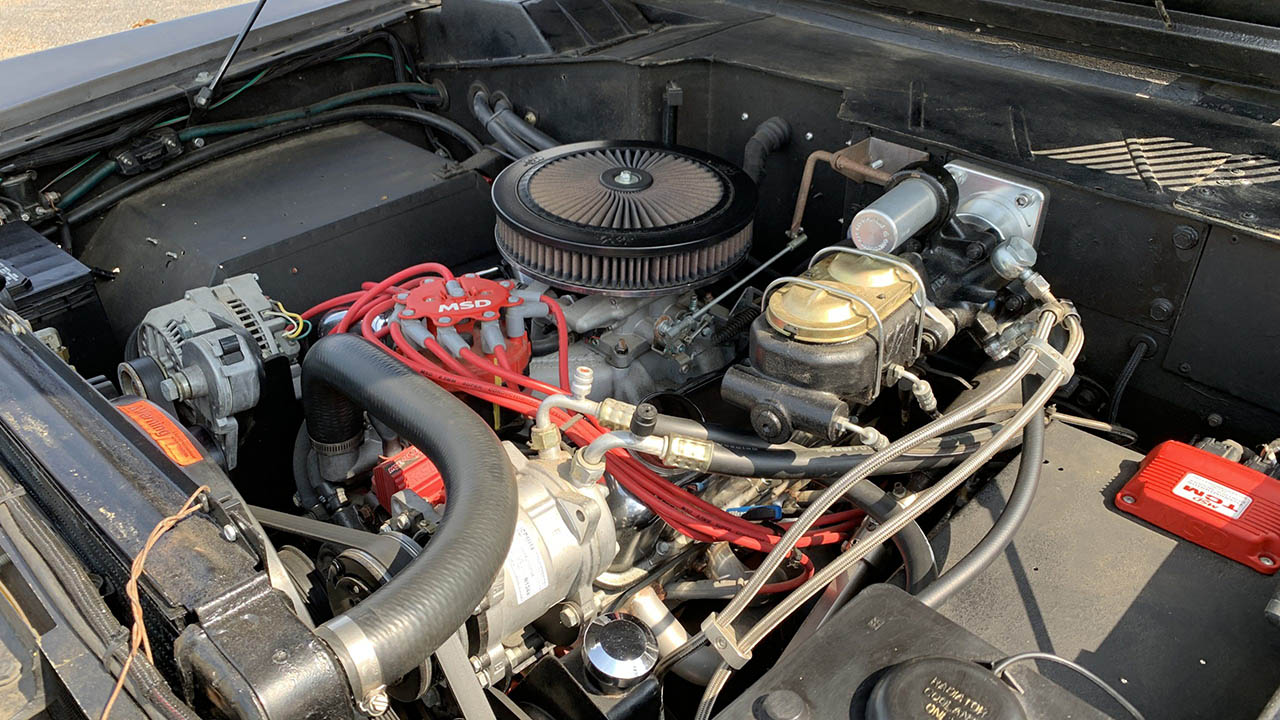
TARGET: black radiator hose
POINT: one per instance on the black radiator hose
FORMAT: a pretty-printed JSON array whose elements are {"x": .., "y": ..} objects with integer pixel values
[
  {"x": 401, "y": 624},
  {"x": 911, "y": 542}
]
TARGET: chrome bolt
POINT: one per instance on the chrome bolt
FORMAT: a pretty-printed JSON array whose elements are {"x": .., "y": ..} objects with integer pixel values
[
  {"x": 1266, "y": 560},
  {"x": 745, "y": 116},
  {"x": 375, "y": 703},
  {"x": 1022, "y": 200},
  {"x": 1128, "y": 499},
  {"x": 229, "y": 532},
  {"x": 808, "y": 136},
  {"x": 446, "y": 319},
  {"x": 626, "y": 177},
  {"x": 489, "y": 313},
  {"x": 198, "y": 142}
]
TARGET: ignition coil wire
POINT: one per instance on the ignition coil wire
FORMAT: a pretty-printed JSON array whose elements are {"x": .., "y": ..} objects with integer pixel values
[{"x": 683, "y": 511}]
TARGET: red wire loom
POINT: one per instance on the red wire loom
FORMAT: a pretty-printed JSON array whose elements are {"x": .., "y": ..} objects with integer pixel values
[{"x": 420, "y": 290}]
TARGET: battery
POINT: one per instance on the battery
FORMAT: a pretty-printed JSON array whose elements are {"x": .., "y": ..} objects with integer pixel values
[
  {"x": 1218, "y": 504},
  {"x": 50, "y": 288}
]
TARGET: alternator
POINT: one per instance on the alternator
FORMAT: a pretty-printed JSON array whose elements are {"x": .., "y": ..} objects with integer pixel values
[{"x": 205, "y": 355}]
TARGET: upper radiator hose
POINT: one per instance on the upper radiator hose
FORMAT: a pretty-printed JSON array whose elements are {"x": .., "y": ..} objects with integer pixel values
[{"x": 398, "y": 627}]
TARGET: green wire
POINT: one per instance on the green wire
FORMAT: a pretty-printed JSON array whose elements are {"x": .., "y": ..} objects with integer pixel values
[
  {"x": 102, "y": 172},
  {"x": 383, "y": 56},
  {"x": 239, "y": 90},
  {"x": 73, "y": 168}
]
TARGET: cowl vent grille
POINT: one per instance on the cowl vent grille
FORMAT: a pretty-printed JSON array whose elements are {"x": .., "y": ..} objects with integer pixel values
[{"x": 623, "y": 218}]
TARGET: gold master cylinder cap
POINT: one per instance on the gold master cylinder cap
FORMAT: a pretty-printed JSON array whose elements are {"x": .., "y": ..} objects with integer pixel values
[{"x": 825, "y": 314}]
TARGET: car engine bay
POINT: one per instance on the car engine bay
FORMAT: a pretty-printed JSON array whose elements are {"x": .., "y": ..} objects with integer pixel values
[{"x": 484, "y": 359}]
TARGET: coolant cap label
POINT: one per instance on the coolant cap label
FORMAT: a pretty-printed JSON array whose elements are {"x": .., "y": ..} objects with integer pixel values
[{"x": 1217, "y": 497}]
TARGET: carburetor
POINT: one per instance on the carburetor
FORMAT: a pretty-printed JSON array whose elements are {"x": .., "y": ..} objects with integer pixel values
[{"x": 825, "y": 340}]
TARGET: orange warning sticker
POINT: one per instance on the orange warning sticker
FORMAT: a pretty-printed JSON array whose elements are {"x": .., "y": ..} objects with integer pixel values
[{"x": 164, "y": 431}]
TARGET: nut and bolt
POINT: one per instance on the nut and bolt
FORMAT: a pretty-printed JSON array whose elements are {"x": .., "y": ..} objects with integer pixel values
[
  {"x": 490, "y": 314},
  {"x": 375, "y": 703},
  {"x": 569, "y": 616},
  {"x": 1161, "y": 309},
  {"x": 1266, "y": 560},
  {"x": 445, "y": 319},
  {"x": 1213, "y": 420},
  {"x": 1023, "y": 200},
  {"x": 1185, "y": 237},
  {"x": 746, "y": 116},
  {"x": 1184, "y": 368},
  {"x": 198, "y": 142},
  {"x": 783, "y": 705},
  {"x": 626, "y": 177},
  {"x": 1128, "y": 499},
  {"x": 407, "y": 313},
  {"x": 169, "y": 390},
  {"x": 229, "y": 533},
  {"x": 808, "y": 136},
  {"x": 621, "y": 347},
  {"x": 531, "y": 117}
]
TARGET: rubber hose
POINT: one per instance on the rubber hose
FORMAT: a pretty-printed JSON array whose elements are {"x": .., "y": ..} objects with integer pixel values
[
  {"x": 507, "y": 139},
  {"x": 993, "y": 544},
  {"x": 686, "y": 427},
  {"x": 405, "y": 621},
  {"x": 769, "y": 136},
  {"x": 911, "y": 542},
  {"x": 307, "y": 497},
  {"x": 823, "y": 462},
  {"x": 1140, "y": 350},
  {"x": 244, "y": 140},
  {"x": 529, "y": 134}
]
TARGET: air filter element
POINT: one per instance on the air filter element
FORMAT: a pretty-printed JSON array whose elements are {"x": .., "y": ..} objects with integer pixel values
[{"x": 624, "y": 218}]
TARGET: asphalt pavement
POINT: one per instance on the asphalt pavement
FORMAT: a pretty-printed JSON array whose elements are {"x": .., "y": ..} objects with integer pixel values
[{"x": 32, "y": 25}]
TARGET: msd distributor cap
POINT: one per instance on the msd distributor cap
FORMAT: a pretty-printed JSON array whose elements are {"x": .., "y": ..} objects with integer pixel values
[
  {"x": 458, "y": 302},
  {"x": 466, "y": 305}
]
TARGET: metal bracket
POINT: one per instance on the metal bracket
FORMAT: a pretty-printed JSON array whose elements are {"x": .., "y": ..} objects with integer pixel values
[
  {"x": 1048, "y": 359},
  {"x": 919, "y": 298},
  {"x": 456, "y": 666},
  {"x": 724, "y": 642}
]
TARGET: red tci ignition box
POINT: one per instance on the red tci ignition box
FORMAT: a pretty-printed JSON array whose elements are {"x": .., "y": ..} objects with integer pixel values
[{"x": 1209, "y": 500}]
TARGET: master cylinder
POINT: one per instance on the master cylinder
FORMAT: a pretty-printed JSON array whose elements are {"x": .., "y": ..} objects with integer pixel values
[{"x": 824, "y": 341}]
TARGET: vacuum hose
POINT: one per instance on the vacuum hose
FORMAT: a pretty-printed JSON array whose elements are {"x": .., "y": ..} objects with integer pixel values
[{"x": 398, "y": 627}]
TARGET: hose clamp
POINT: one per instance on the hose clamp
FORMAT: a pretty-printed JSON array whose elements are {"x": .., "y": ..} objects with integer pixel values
[
  {"x": 356, "y": 653},
  {"x": 1048, "y": 359},
  {"x": 349, "y": 445}
]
